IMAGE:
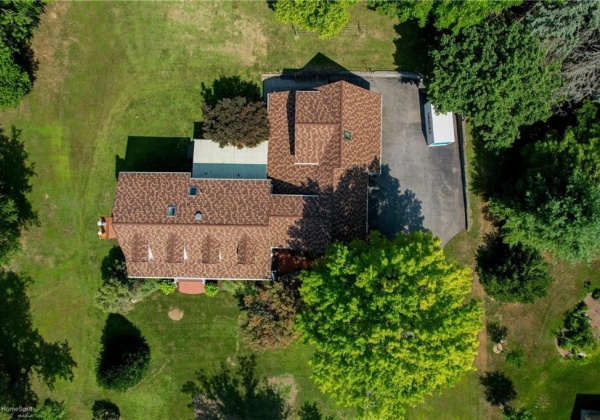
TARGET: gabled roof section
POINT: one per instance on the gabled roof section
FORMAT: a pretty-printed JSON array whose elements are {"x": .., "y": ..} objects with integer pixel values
[
  {"x": 146, "y": 198},
  {"x": 312, "y": 134}
]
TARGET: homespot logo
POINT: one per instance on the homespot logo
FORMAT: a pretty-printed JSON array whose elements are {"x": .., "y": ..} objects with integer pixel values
[{"x": 5, "y": 409}]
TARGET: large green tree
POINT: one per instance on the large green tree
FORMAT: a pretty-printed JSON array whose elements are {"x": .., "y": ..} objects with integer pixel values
[
  {"x": 495, "y": 74},
  {"x": 570, "y": 32},
  {"x": 445, "y": 14},
  {"x": 326, "y": 18},
  {"x": 512, "y": 273},
  {"x": 555, "y": 203},
  {"x": 18, "y": 19},
  {"x": 391, "y": 322}
]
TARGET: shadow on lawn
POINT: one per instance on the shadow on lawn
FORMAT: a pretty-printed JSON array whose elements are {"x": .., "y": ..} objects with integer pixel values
[
  {"x": 236, "y": 394},
  {"x": 155, "y": 154},
  {"x": 23, "y": 350},
  {"x": 229, "y": 87},
  {"x": 412, "y": 47},
  {"x": 390, "y": 210},
  {"x": 585, "y": 402}
]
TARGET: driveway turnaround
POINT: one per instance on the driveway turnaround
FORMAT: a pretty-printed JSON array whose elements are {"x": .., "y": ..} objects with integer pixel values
[{"x": 420, "y": 187}]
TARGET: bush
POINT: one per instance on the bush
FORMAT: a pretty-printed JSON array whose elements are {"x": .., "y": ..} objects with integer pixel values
[
  {"x": 236, "y": 122},
  {"x": 211, "y": 289},
  {"x": 516, "y": 358},
  {"x": 576, "y": 333},
  {"x": 269, "y": 309},
  {"x": 50, "y": 410},
  {"x": 496, "y": 332},
  {"x": 105, "y": 410},
  {"x": 596, "y": 293},
  {"x": 512, "y": 273},
  {"x": 168, "y": 287},
  {"x": 114, "y": 297},
  {"x": 510, "y": 413},
  {"x": 125, "y": 355}
]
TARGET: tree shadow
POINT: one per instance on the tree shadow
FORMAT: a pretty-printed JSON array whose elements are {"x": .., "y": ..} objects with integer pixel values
[
  {"x": 412, "y": 47},
  {"x": 155, "y": 154},
  {"x": 498, "y": 388},
  {"x": 229, "y": 87},
  {"x": 23, "y": 351},
  {"x": 330, "y": 213},
  {"x": 235, "y": 394},
  {"x": 15, "y": 173},
  {"x": 122, "y": 343},
  {"x": 390, "y": 210},
  {"x": 114, "y": 266},
  {"x": 583, "y": 403},
  {"x": 310, "y": 411}
]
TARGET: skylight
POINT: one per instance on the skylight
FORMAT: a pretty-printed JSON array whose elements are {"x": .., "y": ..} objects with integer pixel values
[
  {"x": 193, "y": 191},
  {"x": 347, "y": 135},
  {"x": 171, "y": 210}
]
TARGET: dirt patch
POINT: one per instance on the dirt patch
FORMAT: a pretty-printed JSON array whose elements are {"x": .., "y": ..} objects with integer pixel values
[
  {"x": 175, "y": 314},
  {"x": 286, "y": 386},
  {"x": 594, "y": 313}
]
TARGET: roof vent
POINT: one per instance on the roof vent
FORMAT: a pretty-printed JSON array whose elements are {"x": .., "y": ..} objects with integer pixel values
[{"x": 198, "y": 215}]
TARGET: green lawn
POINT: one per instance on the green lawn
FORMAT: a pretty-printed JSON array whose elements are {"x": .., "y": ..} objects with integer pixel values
[{"x": 114, "y": 70}]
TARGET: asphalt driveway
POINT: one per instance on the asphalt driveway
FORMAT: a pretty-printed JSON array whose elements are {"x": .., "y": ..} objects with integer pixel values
[{"x": 420, "y": 187}]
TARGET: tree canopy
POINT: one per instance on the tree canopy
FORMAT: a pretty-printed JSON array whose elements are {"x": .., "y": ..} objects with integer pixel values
[
  {"x": 512, "y": 273},
  {"x": 389, "y": 322},
  {"x": 570, "y": 32},
  {"x": 494, "y": 74},
  {"x": 326, "y": 18},
  {"x": 445, "y": 14},
  {"x": 18, "y": 19},
  {"x": 555, "y": 204},
  {"x": 268, "y": 312},
  {"x": 236, "y": 122}
]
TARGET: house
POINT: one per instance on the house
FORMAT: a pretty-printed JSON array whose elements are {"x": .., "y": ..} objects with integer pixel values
[{"x": 304, "y": 188}]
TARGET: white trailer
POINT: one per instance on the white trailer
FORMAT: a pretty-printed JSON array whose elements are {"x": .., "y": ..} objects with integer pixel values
[{"x": 439, "y": 127}]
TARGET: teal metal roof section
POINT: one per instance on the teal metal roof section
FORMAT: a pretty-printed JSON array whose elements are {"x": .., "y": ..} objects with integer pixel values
[{"x": 229, "y": 171}]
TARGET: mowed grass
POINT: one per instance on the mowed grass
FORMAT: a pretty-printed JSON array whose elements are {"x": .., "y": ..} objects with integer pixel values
[{"x": 111, "y": 70}]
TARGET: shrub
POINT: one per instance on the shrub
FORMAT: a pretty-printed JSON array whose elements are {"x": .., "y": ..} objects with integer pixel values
[
  {"x": 211, "y": 289},
  {"x": 50, "y": 410},
  {"x": 496, "y": 332},
  {"x": 105, "y": 410},
  {"x": 576, "y": 332},
  {"x": 114, "y": 297},
  {"x": 125, "y": 355},
  {"x": 512, "y": 273},
  {"x": 516, "y": 358},
  {"x": 596, "y": 293},
  {"x": 510, "y": 413},
  {"x": 236, "y": 122},
  {"x": 168, "y": 287},
  {"x": 269, "y": 310}
]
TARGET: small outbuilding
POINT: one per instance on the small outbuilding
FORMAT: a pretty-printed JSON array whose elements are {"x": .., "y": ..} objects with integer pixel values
[{"x": 440, "y": 128}]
